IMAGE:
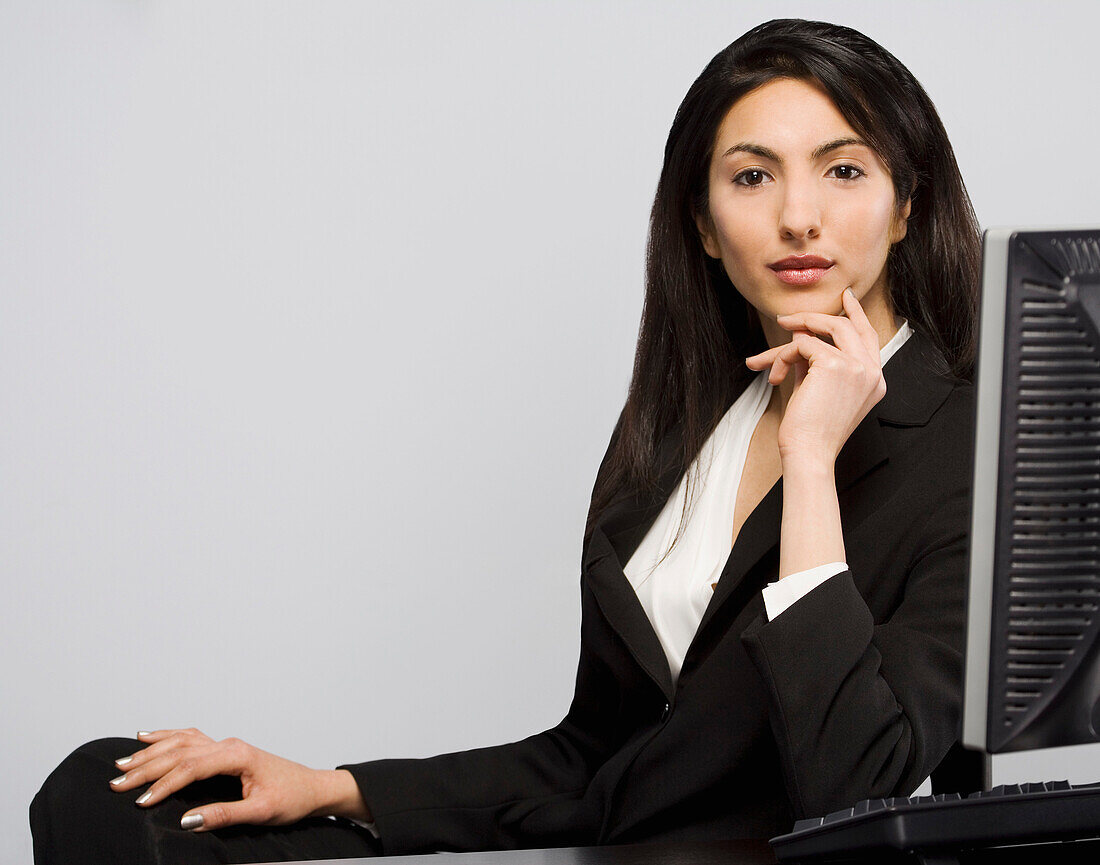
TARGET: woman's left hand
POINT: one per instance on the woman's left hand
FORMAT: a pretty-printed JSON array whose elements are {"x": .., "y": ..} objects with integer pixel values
[{"x": 835, "y": 385}]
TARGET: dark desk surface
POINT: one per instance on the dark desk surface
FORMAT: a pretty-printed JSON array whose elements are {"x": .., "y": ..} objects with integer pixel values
[
  {"x": 688, "y": 853},
  {"x": 718, "y": 853}
]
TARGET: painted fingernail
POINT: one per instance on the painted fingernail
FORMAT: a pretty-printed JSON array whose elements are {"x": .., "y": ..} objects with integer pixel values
[
  {"x": 118, "y": 780},
  {"x": 144, "y": 797},
  {"x": 849, "y": 290},
  {"x": 122, "y": 761},
  {"x": 191, "y": 821},
  {"x": 141, "y": 733}
]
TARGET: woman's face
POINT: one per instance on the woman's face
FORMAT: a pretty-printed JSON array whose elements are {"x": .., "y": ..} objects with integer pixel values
[{"x": 800, "y": 207}]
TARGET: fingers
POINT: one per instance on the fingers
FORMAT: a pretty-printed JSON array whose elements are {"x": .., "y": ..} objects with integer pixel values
[
  {"x": 176, "y": 759},
  {"x": 840, "y": 330},
  {"x": 176, "y": 771},
  {"x": 771, "y": 358},
  {"x": 154, "y": 735},
  {"x": 854, "y": 310},
  {"x": 802, "y": 351},
  {"x": 767, "y": 358},
  {"x": 853, "y": 334},
  {"x": 162, "y": 741},
  {"x": 158, "y": 735},
  {"x": 172, "y": 771},
  {"x": 218, "y": 815}
]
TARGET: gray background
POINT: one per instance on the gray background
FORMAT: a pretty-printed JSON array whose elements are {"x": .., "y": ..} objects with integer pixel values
[{"x": 314, "y": 321}]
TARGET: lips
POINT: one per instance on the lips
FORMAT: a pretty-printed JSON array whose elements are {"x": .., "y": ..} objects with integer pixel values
[{"x": 801, "y": 269}]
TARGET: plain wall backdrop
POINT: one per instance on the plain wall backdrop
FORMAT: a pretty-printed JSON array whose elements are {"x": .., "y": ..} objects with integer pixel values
[{"x": 315, "y": 318}]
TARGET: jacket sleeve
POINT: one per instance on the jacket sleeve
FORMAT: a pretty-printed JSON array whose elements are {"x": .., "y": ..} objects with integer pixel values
[
  {"x": 874, "y": 710},
  {"x": 499, "y": 797},
  {"x": 491, "y": 798}
]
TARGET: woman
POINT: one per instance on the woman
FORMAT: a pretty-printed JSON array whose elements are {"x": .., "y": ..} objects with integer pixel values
[{"x": 751, "y": 651}]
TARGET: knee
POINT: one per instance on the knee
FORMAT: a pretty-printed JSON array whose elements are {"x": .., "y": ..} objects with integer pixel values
[
  {"x": 88, "y": 765},
  {"x": 79, "y": 781}
]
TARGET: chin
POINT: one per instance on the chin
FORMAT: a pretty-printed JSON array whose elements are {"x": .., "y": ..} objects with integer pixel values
[{"x": 823, "y": 300}]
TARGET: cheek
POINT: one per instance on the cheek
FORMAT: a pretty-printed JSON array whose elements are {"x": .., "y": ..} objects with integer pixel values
[
  {"x": 737, "y": 234},
  {"x": 868, "y": 226}
]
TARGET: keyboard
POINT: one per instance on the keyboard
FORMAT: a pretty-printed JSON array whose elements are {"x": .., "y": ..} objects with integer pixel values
[{"x": 947, "y": 822}]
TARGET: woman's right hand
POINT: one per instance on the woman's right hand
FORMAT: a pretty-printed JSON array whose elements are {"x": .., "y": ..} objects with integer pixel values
[
  {"x": 837, "y": 382},
  {"x": 274, "y": 791}
]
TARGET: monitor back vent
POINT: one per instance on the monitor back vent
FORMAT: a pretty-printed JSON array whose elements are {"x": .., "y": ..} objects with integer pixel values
[{"x": 1076, "y": 255}]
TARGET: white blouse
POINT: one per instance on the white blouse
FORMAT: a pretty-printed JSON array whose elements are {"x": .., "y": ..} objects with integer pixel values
[{"x": 675, "y": 592}]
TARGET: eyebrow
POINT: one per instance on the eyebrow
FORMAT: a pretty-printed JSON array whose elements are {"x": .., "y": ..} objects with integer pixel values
[{"x": 819, "y": 151}]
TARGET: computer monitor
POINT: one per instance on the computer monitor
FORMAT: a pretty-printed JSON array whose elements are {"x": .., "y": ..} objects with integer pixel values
[
  {"x": 1032, "y": 667},
  {"x": 1032, "y": 670}
]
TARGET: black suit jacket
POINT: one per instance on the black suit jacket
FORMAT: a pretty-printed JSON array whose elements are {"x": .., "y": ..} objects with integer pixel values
[{"x": 853, "y": 692}]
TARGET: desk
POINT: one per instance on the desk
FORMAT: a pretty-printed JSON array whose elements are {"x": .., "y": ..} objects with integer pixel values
[
  {"x": 746, "y": 852},
  {"x": 716, "y": 853}
]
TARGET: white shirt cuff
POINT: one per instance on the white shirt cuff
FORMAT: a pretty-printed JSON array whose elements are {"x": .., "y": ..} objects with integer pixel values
[
  {"x": 782, "y": 593},
  {"x": 362, "y": 824}
]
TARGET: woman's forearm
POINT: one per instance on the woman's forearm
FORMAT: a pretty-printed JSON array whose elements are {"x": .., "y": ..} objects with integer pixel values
[{"x": 810, "y": 533}]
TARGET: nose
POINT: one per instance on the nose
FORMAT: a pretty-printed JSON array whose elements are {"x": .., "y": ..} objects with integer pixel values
[{"x": 800, "y": 211}]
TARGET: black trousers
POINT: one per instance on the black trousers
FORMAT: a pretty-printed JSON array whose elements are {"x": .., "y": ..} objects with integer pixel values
[{"x": 77, "y": 818}]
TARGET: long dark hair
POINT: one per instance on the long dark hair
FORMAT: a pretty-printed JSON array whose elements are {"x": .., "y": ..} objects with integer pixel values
[{"x": 696, "y": 329}]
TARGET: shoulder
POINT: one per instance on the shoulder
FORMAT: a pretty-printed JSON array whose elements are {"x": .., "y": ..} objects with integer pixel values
[
  {"x": 920, "y": 389},
  {"x": 927, "y": 417}
]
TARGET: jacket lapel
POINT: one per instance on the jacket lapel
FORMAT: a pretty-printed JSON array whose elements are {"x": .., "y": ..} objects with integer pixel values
[
  {"x": 626, "y": 522},
  {"x": 620, "y": 606},
  {"x": 758, "y": 536},
  {"x": 613, "y": 541}
]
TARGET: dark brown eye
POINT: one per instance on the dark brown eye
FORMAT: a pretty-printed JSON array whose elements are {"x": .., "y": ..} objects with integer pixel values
[
  {"x": 750, "y": 177},
  {"x": 846, "y": 172}
]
